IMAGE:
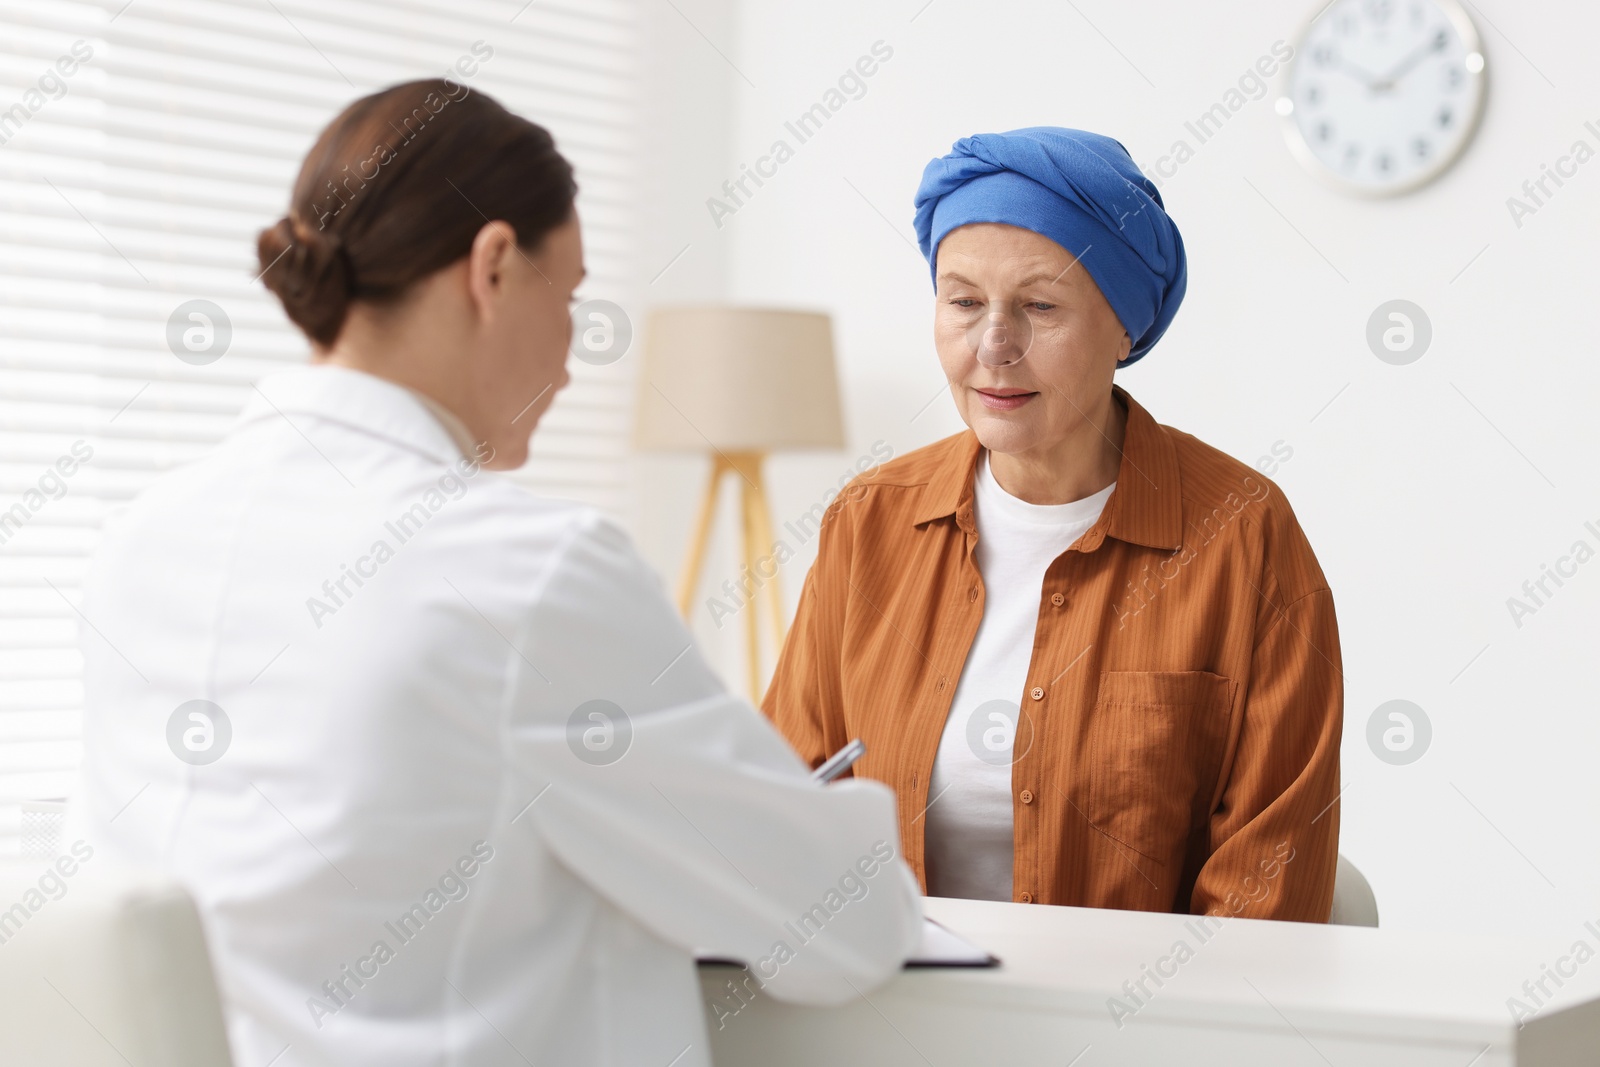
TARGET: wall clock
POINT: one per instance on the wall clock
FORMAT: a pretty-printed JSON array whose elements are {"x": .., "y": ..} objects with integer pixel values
[{"x": 1382, "y": 96}]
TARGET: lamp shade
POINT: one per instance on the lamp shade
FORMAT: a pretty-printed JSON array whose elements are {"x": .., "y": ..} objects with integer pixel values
[{"x": 738, "y": 380}]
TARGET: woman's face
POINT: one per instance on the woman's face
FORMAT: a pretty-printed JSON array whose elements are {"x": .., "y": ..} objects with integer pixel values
[
  {"x": 526, "y": 337},
  {"x": 1025, "y": 337}
]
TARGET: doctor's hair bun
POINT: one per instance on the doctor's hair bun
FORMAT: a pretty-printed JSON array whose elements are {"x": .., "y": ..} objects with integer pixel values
[
  {"x": 310, "y": 274},
  {"x": 396, "y": 189}
]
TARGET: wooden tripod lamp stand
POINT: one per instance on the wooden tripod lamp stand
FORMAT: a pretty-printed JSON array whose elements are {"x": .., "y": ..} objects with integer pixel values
[{"x": 738, "y": 384}]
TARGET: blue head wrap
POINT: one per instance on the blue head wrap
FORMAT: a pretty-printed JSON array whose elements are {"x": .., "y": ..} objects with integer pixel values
[{"x": 1082, "y": 191}]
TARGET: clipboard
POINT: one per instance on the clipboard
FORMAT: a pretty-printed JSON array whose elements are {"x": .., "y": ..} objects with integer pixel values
[{"x": 941, "y": 947}]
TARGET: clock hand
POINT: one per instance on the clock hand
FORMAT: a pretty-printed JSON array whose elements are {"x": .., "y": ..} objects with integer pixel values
[
  {"x": 1357, "y": 73},
  {"x": 1407, "y": 63}
]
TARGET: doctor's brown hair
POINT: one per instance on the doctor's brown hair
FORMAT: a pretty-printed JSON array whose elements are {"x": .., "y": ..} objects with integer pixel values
[{"x": 396, "y": 188}]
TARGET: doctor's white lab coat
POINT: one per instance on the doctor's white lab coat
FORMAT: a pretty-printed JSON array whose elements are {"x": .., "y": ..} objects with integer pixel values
[{"x": 461, "y": 790}]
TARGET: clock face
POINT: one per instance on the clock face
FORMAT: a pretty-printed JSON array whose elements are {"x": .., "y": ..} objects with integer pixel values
[{"x": 1383, "y": 95}]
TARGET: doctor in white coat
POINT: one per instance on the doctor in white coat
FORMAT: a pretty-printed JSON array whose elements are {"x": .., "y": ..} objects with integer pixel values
[{"x": 446, "y": 774}]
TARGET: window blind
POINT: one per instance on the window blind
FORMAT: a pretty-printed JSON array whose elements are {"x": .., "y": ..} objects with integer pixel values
[{"x": 137, "y": 183}]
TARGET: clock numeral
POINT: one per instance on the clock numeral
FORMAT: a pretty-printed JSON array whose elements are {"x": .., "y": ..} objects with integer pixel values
[
  {"x": 1421, "y": 147},
  {"x": 1453, "y": 77},
  {"x": 1441, "y": 40},
  {"x": 1313, "y": 95},
  {"x": 1323, "y": 55},
  {"x": 1379, "y": 10},
  {"x": 1352, "y": 153},
  {"x": 1384, "y": 162},
  {"x": 1324, "y": 131},
  {"x": 1446, "y": 117}
]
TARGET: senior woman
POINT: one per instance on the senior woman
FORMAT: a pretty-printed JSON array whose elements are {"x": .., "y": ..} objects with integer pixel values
[{"x": 1095, "y": 657}]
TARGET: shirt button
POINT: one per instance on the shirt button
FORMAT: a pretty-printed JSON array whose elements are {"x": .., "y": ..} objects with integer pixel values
[
  {"x": 1027, "y": 796},
  {"x": 1057, "y": 599},
  {"x": 972, "y": 594},
  {"x": 1037, "y": 692},
  {"x": 1026, "y": 898}
]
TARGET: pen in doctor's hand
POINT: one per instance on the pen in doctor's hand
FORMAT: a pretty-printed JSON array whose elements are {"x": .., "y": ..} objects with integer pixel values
[{"x": 840, "y": 761}]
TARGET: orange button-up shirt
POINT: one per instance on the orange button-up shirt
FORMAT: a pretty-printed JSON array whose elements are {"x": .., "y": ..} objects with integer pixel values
[{"x": 1178, "y": 748}]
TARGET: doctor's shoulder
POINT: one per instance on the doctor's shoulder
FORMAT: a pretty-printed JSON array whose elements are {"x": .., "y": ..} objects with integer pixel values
[
  {"x": 520, "y": 533},
  {"x": 162, "y": 503}
]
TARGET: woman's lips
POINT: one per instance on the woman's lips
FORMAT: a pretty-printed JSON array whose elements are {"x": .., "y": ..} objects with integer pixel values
[{"x": 1004, "y": 399}]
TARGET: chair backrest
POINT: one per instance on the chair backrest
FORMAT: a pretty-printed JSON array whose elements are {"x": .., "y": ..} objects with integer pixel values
[
  {"x": 99, "y": 967},
  {"x": 1353, "y": 901}
]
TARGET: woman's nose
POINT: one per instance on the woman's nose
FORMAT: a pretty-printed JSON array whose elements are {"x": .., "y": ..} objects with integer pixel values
[{"x": 1000, "y": 339}]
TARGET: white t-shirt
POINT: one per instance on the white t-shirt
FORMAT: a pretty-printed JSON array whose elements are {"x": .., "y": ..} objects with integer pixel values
[{"x": 969, "y": 834}]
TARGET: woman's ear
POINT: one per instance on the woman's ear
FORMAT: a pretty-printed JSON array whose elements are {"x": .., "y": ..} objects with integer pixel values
[
  {"x": 486, "y": 265},
  {"x": 1126, "y": 349}
]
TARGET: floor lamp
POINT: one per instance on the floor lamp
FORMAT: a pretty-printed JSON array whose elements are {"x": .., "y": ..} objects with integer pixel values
[{"x": 738, "y": 384}]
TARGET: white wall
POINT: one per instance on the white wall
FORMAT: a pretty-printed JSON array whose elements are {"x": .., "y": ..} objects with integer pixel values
[
  {"x": 1426, "y": 513},
  {"x": 687, "y": 121}
]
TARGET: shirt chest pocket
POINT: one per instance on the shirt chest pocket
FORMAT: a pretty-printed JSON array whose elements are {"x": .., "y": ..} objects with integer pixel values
[{"x": 1152, "y": 751}]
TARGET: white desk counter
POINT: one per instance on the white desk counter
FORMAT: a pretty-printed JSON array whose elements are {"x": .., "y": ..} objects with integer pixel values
[{"x": 1252, "y": 992}]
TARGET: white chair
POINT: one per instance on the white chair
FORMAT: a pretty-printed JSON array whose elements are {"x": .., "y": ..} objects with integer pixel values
[
  {"x": 103, "y": 968},
  {"x": 1353, "y": 900}
]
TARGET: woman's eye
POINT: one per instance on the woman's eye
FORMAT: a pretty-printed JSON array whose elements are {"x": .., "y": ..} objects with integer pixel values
[
  {"x": 964, "y": 302},
  {"x": 1040, "y": 305}
]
